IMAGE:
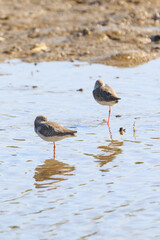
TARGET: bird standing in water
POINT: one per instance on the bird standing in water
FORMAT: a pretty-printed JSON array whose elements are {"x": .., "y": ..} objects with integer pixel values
[
  {"x": 51, "y": 131},
  {"x": 105, "y": 95}
]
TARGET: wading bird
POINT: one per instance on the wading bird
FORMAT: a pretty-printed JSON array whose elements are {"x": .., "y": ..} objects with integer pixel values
[
  {"x": 51, "y": 131},
  {"x": 105, "y": 95}
]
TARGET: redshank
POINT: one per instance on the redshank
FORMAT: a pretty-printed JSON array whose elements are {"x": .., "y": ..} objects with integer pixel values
[
  {"x": 105, "y": 95},
  {"x": 51, "y": 131}
]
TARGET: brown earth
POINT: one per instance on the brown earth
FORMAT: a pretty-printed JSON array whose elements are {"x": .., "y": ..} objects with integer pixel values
[{"x": 113, "y": 32}]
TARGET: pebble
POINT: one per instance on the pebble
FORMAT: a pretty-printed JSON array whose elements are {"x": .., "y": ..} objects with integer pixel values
[
  {"x": 80, "y": 90},
  {"x": 122, "y": 130}
]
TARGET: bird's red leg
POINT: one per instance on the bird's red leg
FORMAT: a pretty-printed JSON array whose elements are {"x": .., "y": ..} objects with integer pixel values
[
  {"x": 54, "y": 149},
  {"x": 109, "y": 115}
]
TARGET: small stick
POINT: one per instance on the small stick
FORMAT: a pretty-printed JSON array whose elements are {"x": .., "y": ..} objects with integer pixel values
[{"x": 134, "y": 129}]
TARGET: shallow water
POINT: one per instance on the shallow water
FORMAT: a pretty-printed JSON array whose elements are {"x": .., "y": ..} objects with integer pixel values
[{"x": 102, "y": 185}]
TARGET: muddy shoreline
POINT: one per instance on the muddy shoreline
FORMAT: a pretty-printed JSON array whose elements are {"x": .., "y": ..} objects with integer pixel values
[{"x": 120, "y": 33}]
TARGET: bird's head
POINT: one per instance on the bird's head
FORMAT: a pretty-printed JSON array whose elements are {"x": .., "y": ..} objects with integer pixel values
[
  {"x": 98, "y": 84},
  {"x": 41, "y": 118}
]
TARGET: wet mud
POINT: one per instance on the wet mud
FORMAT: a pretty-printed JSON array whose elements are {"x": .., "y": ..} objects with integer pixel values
[{"x": 121, "y": 33}]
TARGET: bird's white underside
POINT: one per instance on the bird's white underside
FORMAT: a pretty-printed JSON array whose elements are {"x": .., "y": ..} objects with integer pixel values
[
  {"x": 104, "y": 103},
  {"x": 54, "y": 138}
]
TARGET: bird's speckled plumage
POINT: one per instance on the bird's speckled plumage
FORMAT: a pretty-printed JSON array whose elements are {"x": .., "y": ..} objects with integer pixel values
[
  {"x": 104, "y": 94},
  {"x": 51, "y": 131}
]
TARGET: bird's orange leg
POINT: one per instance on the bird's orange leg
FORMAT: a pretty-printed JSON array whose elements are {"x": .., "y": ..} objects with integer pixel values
[
  {"x": 109, "y": 115},
  {"x": 54, "y": 150}
]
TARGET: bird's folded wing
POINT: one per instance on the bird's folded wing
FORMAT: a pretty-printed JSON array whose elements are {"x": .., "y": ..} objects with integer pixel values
[
  {"x": 51, "y": 129},
  {"x": 102, "y": 95}
]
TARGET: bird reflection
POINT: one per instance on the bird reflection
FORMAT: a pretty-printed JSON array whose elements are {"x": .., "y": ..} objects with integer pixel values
[
  {"x": 52, "y": 170},
  {"x": 110, "y": 133},
  {"x": 109, "y": 129},
  {"x": 109, "y": 152}
]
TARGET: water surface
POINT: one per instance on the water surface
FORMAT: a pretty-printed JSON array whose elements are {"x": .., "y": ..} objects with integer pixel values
[{"x": 101, "y": 185}]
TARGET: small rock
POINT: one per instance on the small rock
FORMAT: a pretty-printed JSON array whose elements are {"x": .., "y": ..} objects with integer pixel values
[
  {"x": 39, "y": 47},
  {"x": 12, "y": 49},
  {"x": 4, "y": 17},
  {"x": 2, "y": 39},
  {"x": 143, "y": 40},
  {"x": 156, "y": 48},
  {"x": 33, "y": 33},
  {"x": 156, "y": 16},
  {"x": 7, "y": 52},
  {"x": 34, "y": 86},
  {"x": 85, "y": 31},
  {"x": 62, "y": 54},
  {"x": 80, "y": 1},
  {"x": 98, "y": 2},
  {"x": 80, "y": 90},
  {"x": 155, "y": 38},
  {"x": 122, "y": 130}
]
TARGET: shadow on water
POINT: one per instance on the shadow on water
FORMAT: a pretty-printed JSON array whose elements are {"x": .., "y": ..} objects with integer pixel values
[
  {"x": 52, "y": 170},
  {"x": 108, "y": 152}
]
